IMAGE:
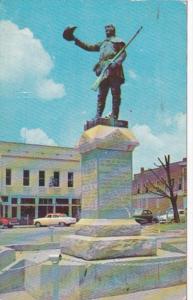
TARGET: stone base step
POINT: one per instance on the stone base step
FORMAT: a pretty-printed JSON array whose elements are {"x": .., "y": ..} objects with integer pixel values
[
  {"x": 92, "y": 248},
  {"x": 7, "y": 256},
  {"x": 107, "y": 227},
  {"x": 82, "y": 280}
]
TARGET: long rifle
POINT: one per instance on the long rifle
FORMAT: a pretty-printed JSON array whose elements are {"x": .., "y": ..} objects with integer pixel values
[{"x": 101, "y": 77}]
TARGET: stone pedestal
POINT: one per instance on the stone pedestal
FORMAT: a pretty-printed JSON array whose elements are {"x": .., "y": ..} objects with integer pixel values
[
  {"x": 105, "y": 230},
  {"x": 106, "y": 172}
]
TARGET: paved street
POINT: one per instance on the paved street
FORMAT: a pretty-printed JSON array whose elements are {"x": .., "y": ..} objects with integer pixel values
[
  {"x": 31, "y": 234},
  {"x": 26, "y": 234}
]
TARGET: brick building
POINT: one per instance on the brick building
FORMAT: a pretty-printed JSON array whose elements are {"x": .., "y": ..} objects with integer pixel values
[
  {"x": 36, "y": 180},
  {"x": 141, "y": 198}
]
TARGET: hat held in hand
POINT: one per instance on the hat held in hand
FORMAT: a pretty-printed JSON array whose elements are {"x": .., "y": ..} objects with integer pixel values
[{"x": 68, "y": 33}]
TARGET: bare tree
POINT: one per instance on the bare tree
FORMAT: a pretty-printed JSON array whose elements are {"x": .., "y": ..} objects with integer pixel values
[{"x": 165, "y": 186}]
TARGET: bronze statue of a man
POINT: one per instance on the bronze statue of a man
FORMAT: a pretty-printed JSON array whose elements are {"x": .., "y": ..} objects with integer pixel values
[{"x": 114, "y": 75}]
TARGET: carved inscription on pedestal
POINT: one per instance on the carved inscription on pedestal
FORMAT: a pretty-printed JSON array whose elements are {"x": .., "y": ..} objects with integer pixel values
[
  {"x": 106, "y": 181},
  {"x": 114, "y": 182}
]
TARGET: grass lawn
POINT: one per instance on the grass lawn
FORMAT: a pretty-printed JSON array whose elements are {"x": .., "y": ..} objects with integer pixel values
[{"x": 168, "y": 227}]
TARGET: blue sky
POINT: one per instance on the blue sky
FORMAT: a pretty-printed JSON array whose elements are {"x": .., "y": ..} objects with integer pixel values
[{"x": 45, "y": 94}]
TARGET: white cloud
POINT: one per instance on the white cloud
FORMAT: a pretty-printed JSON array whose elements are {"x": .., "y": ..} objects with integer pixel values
[
  {"x": 48, "y": 89},
  {"x": 25, "y": 64},
  {"x": 181, "y": 122},
  {"x": 132, "y": 74},
  {"x": 36, "y": 136},
  {"x": 178, "y": 120},
  {"x": 153, "y": 146}
]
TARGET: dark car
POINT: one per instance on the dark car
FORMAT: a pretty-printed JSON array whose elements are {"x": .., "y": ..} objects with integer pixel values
[{"x": 144, "y": 216}]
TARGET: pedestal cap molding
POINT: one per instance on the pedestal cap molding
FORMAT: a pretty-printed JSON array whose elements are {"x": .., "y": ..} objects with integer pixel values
[{"x": 106, "y": 137}]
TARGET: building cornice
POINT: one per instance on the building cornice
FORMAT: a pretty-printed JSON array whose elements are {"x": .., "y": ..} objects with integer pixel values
[{"x": 42, "y": 158}]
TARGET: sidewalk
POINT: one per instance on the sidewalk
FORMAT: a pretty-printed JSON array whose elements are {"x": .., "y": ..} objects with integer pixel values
[
  {"x": 18, "y": 295},
  {"x": 171, "y": 293}
]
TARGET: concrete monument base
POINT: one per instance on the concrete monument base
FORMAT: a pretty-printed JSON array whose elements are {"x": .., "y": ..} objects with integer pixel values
[
  {"x": 93, "y": 248},
  {"x": 107, "y": 238},
  {"x": 77, "y": 279},
  {"x": 107, "y": 227}
]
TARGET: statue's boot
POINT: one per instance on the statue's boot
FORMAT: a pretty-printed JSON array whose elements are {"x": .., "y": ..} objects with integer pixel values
[
  {"x": 116, "y": 105},
  {"x": 100, "y": 108}
]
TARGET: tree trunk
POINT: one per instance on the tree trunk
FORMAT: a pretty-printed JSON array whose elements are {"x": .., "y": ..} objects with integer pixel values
[{"x": 175, "y": 209}]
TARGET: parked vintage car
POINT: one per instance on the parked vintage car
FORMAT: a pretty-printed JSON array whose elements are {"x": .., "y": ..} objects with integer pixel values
[
  {"x": 8, "y": 222},
  {"x": 168, "y": 217},
  {"x": 54, "y": 219},
  {"x": 144, "y": 216}
]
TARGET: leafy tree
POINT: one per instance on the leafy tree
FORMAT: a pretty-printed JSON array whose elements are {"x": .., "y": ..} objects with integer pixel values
[{"x": 165, "y": 186}]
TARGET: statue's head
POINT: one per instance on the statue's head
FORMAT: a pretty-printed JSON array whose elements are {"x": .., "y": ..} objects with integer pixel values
[{"x": 110, "y": 30}]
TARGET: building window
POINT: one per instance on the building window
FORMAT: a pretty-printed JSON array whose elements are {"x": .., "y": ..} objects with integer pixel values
[
  {"x": 172, "y": 181},
  {"x": 180, "y": 183},
  {"x": 146, "y": 188},
  {"x": 14, "y": 200},
  {"x": 8, "y": 176},
  {"x": 70, "y": 179},
  {"x": 6, "y": 211},
  {"x": 138, "y": 189},
  {"x": 4, "y": 198},
  {"x": 62, "y": 201},
  {"x": 27, "y": 201},
  {"x": 75, "y": 201},
  {"x": 45, "y": 201},
  {"x": 14, "y": 212},
  {"x": 41, "y": 178},
  {"x": 56, "y": 178},
  {"x": 26, "y": 177}
]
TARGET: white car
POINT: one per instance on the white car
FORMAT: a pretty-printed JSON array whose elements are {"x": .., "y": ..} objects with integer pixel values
[
  {"x": 54, "y": 219},
  {"x": 169, "y": 216}
]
